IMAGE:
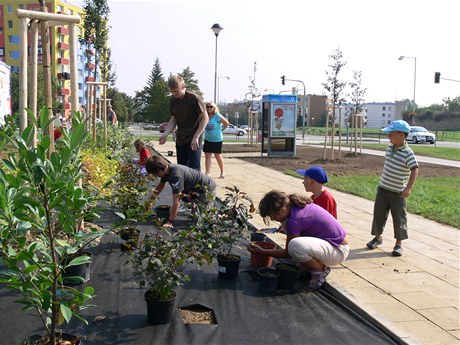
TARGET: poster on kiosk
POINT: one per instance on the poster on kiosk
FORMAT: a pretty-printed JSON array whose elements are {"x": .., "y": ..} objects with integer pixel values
[{"x": 283, "y": 117}]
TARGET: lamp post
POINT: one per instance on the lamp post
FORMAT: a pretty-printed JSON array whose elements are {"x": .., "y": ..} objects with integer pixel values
[
  {"x": 218, "y": 86},
  {"x": 216, "y": 28},
  {"x": 415, "y": 78}
]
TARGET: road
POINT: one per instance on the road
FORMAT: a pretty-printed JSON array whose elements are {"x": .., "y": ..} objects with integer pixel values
[{"x": 309, "y": 139}]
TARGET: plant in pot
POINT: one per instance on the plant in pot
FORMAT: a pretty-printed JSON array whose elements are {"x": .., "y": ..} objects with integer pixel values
[
  {"x": 41, "y": 207},
  {"x": 129, "y": 189},
  {"x": 159, "y": 261},
  {"x": 220, "y": 225}
]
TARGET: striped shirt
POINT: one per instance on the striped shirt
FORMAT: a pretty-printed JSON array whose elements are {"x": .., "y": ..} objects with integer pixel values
[{"x": 396, "y": 169}]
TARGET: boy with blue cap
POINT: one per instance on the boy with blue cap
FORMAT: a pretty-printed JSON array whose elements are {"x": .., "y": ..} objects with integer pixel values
[
  {"x": 398, "y": 177},
  {"x": 314, "y": 179}
]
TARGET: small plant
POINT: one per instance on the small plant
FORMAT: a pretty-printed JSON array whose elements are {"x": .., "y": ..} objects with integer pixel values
[
  {"x": 41, "y": 207},
  {"x": 220, "y": 226},
  {"x": 160, "y": 260}
]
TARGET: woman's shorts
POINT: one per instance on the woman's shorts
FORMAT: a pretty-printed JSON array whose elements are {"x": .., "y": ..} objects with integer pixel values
[{"x": 212, "y": 147}]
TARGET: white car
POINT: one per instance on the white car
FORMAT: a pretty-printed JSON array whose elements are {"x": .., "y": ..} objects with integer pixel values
[
  {"x": 419, "y": 134},
  {"x": 232, "y": 129}
]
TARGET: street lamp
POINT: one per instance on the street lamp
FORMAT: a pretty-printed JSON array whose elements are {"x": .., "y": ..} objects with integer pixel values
[
  {"x": 218, "y": 85},
  {"x": 415, "y": 78},
  {"x": 216, "y": 28}
]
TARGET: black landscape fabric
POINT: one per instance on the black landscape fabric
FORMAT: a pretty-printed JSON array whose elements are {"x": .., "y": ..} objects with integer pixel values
[{"x": 244, "y": 315}]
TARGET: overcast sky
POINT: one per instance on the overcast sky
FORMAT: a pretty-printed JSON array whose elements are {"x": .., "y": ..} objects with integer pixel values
[{"x": 292, "y": 38}]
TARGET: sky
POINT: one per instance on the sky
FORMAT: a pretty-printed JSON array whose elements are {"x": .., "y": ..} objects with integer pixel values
[{"x": 294, "y": 38}]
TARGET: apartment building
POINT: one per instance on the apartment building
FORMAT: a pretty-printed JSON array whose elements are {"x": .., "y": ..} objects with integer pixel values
[{"x": 59, "y": 46}]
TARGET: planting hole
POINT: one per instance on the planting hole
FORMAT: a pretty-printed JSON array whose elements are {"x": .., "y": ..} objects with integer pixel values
[{"x": 197, "y": 314}]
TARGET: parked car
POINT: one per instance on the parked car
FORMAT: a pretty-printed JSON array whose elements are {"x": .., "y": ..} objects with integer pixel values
[
  {"x": 245, "y": 127},
  {"x": 163, "y": 127},
  {"x": 419, "y": 134},
  {"x": 150, "y": 126},
  {"x": 232, "y": 129}
]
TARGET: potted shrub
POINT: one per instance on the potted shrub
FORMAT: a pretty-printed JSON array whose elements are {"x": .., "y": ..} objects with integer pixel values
[
  {"x": 159, "y": 261},
  {"x": 41, "y": 207},
  {"x": 129, "y": 189},
  {"x": 221, "y": 225}
]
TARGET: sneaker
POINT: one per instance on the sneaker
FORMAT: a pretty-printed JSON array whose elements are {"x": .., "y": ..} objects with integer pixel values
[
  {"x": 374, "y": 243},
  {"x": 318, "y": 278},
  {"x": 222, "y": 176},
  {"x": 397, "y": 251}
]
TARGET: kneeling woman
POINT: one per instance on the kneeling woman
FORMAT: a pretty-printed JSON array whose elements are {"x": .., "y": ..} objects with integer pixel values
[{"x": 315, "y": 239}]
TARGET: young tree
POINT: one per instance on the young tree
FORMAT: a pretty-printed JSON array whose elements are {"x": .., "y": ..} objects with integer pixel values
[
  {"x": 335, "y": 89},
  {"x": 191, "y": 84},
  {"x": 96, "y": 33},
  {"x": 357, "y": 97}
]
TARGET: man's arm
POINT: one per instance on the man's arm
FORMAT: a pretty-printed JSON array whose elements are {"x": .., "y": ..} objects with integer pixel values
[
  {"x": 174, "y": 210},
  {"x": 169, "y": 128},
  {"x": 203, "y": 121}
]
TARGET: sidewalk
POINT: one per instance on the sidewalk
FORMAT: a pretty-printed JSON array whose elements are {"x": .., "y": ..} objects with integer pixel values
[{"x": 415, "y": 296}]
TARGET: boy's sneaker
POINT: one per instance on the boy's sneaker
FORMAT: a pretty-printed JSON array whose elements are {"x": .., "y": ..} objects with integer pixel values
[
  {"x": 397, "y": 251},
  {"x": 374, "y": 243}
]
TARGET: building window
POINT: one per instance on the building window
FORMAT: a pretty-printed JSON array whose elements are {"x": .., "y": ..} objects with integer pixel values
[
  {"x": 383, "y": 115},
  {"x": 10, "y": 24},
  {"x": 389, "y": 108},
  {"x": 70, "y": 12},
  {"x": 60, "y": 9},
  {"x": 14, "y": 54},
  {"x": 2, "y": 52},
  {"x": 1, "y": 30},
  {"x": 21, "y": 6},
  {"x": 13, "y": 39},
  {"x": 383, "y": 108},
  {"x": 9, "y": 8}
]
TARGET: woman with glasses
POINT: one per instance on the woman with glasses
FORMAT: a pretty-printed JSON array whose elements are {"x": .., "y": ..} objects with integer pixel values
[{"x": 213, "y": 138}]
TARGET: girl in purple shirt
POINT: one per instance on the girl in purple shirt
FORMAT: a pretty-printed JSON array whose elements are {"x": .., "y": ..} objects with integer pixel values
[{"x": 314, "y": 238}]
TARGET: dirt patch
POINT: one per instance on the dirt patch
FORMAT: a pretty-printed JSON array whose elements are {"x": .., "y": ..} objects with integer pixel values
[{"x": 348, "y": 164}]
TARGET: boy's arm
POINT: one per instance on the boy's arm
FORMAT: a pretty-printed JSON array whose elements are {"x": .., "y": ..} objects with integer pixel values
[{"x": 410, "y": 183}]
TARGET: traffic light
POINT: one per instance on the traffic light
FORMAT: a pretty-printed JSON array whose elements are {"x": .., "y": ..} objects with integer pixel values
[
  {"x": 283, "y": 79},
  {"x": 437, "y": 76}
]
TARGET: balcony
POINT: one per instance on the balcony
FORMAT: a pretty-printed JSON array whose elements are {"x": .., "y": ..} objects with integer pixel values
[
  {"x": 63, "y": 76},
  {"x": 66, "y": 106},
  {"x": 62, "y": 61},
  {"x": 63, "y": 46},
  {"x": 65, "y": 91},
  {"x": 62, "y": 30},
  {"x": 89, "y": 52},
  {"x": 90, "y": 65},
  {"x": 89, "y": 79}
]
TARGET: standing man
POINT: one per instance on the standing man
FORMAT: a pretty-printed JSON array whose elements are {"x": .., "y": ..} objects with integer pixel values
[
  {"x": 188, "y": 112},
  {"x": 111, "y": 116}
]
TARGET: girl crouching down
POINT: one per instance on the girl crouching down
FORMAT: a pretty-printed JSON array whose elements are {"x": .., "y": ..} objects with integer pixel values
[{"x": 314, "y": 238}]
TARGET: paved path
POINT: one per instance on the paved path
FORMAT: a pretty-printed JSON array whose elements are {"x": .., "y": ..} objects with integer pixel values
[{"x": 415, "y": 296}]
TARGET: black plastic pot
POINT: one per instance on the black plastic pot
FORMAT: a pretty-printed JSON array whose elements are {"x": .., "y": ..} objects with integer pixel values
[
  {"x": 288, "y": 276},
  {"x": 159, "y": 312},
  {"x": 34, "y": 339},
  {"x": 131, "y": 238},
  {"x": 268, "y": 279},
  {"x": 162, "y": 211},
  {"x": 229, "y": 265},
  {"x": 258, "y": 237},
  {"x": 70, "y": 274}
]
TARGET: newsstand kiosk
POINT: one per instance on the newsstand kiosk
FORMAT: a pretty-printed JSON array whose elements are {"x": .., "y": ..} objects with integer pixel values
[{"x": 279, "y": 124}]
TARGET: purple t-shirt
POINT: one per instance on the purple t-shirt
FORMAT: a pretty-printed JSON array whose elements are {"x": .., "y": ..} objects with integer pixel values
[{"x": 314, "y": 221}]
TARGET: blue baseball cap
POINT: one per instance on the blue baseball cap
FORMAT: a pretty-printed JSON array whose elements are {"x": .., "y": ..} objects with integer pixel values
[
  {"x": 315, "y": 173},
  {"x": 397, "y": 126}
]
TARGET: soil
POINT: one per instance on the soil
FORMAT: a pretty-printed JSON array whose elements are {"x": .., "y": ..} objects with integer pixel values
[{"x": 348, "y": 164}]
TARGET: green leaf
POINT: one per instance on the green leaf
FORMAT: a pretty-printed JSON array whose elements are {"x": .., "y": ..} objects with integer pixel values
[
  {"x": 66, "y": 312},
  {"x": 81, "y": 260}
]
